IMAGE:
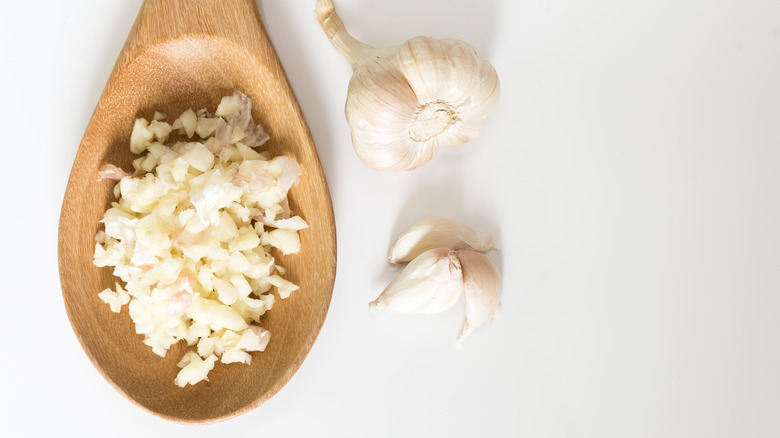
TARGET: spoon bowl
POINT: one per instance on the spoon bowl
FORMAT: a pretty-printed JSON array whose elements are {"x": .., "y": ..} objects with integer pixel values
[{"x": 188, "y": 54}]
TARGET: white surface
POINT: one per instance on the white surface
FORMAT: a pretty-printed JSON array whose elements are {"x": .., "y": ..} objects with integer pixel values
[{"x": 630, "y": 173}]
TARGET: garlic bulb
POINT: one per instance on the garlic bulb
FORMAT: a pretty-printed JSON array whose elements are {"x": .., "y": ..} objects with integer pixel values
[
  {"x": 431, "y": 283},
  {"x": 403, "y": 102},
  {"x": 437, "y": 232},
  {"x": 482, "y": 288}
]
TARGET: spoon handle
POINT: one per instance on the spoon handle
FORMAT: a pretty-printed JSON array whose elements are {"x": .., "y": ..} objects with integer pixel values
[{"x": 162, "y": 20}]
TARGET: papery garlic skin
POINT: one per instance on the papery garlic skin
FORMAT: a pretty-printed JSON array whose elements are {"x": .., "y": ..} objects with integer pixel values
[
  {"x": 482, "y": 287},
  {"x": 404, "y": 102},
  {"x": 437, "y": 232},
  {"x": 431, "y": 283}
]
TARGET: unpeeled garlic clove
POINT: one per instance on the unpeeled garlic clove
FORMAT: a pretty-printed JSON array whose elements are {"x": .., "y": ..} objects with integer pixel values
[
  {"x": 482, "y": 289},
  {"x": 403, "y": 102},
  {"x": 431, "y": 283},
  {"x": 437, "y": 232}
]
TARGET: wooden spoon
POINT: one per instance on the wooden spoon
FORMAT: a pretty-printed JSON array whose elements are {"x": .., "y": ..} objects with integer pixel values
[{"x": 188, "y": 54}]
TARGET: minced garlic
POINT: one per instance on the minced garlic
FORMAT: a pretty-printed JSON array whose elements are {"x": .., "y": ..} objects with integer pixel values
[{"x": 191, "y": 232}]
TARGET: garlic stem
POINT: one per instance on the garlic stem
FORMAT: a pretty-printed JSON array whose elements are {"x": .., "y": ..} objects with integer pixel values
[{"x": 356, "y": 52}]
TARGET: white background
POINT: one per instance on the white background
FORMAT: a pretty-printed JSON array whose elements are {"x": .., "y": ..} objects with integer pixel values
[{"x": 630, "y": 172}]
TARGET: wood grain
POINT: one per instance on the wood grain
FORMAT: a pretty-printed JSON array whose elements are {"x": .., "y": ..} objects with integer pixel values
[{"x": 188, "y": 54}]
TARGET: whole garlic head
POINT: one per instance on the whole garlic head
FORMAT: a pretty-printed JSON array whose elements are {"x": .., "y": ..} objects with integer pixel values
[{"x": 403, "y": 102}]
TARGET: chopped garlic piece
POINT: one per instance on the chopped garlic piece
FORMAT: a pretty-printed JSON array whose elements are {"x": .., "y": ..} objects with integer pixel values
[
  {"x": 228, "y": 106},
  {"x": 195, "y": 370},
  {"x": 244, "y": 241},
  {"x": 206, "y": 347},
  {"x": 283, "y": 286},
  {"x": 285, "y": 240},
  {"x": 230, "y": 339},
  {"x": 160, "y": 129},
  {"x": 294, "y": 223},
  {"x": 241, "y": 285},
  {"x": 189, "y": 121},
  {"x": 140, "y": 137},
  {"x": 109, "y": 171},
  {"x": 233, "y": 356},
  {"x": 228, "y": 293},
  {"x": 206, "y": 127},
  {"x": 112, "y": 299},
  {"x": 254, "y": 338}
]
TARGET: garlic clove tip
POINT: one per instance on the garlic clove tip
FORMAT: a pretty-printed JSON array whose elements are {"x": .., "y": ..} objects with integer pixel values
[{"x": 464, "y": 333}]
